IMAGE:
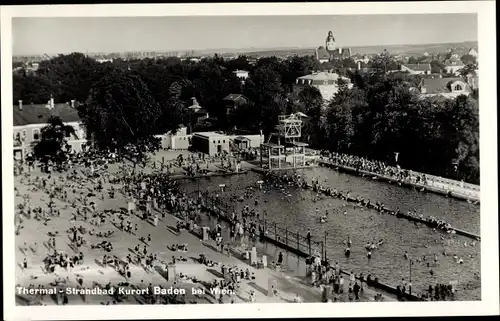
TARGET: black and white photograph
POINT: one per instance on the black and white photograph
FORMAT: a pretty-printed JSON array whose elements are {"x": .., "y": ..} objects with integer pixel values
[{"x": 176, "y": 155}]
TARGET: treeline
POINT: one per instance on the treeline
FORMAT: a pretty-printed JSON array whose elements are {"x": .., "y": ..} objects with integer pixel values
[
  {"x": 126, "y": 102},
  {"x": 381, "y": 116}
]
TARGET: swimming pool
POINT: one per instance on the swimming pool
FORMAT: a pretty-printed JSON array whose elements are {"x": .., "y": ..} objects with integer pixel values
[{"x": 296, "y": 209}]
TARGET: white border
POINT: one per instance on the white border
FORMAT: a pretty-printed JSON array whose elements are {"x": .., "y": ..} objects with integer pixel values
[{"x": 489, "y": 206}]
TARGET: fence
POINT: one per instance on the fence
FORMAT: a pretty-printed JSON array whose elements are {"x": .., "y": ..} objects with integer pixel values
[
  {"x": 281, "y": 236},
  {"x": 451, "y": 183},
  {"x": 292, "y": 239}
]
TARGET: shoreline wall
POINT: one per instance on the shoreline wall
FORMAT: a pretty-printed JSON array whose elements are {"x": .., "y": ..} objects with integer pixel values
[{"x": 473, "y": 194}]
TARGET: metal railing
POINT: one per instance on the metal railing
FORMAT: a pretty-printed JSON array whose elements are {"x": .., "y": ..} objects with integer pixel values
[{"x": 272, "y": 230}]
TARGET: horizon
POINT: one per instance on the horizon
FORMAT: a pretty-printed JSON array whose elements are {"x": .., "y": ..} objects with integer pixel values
[
  {"x": 243, "y": 50},
  {"x": 35, "y": 36}
]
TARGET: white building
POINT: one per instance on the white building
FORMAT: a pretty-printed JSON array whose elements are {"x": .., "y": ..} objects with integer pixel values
[
  {"x": 210, "y": 143},
  {"x": 181, "y": 140},
  {"x": 325, "y": 82},
  {"x": 241, "y": 74}
]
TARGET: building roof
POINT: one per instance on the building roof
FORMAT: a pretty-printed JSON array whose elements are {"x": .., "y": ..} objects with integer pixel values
[
  {"x": 40, "y": 114},
  {"x": 299, "y": 144},
  {"x": 242, "y": 138},
  {"x": 234, "y": 97},
  {"x": 321, "y": 76},
  {"x": 209, "y": 134},
  {"x": 440, "y": 85},
  {"x": 272, "y": 145},
  {"x": 418, "y": 67},
  {"x": 322, "y": 53}
]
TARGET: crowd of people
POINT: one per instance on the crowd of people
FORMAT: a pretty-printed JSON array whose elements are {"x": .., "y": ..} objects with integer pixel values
[
  {"x": 299, "y": 181},
  {"x": 76, "y": 182},
  {"x": 374, "y": 166},
  {"x": 243, "y": 226}
]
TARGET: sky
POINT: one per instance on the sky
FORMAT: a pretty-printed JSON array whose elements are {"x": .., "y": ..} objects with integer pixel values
[{"x": 119, "y": 34}]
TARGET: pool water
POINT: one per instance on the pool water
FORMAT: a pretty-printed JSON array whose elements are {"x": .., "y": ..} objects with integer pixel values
[{"x": 295, "y": 208}]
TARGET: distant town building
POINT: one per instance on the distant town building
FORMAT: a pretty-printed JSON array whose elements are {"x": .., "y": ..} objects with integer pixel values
[
  {"x": 453, "y": 66},
  {"x": 241, "y": 74},
  {"x": 416, "y": 69},
  {"x": 443, "y": 87},
  {"x": 252, "y": 60},
  {"x": 331, "y": 51},
  {"x": 326, "y": 82},
  {"x": 30, "y": 119},
  {"x": 473, "y": 52},
  {"x": 103, "y": 60},
  {"x": 322, "y": 55}
]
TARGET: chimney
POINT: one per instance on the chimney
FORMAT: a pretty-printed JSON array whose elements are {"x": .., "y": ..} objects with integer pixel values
[
  {"x": 359, "y": 65},
  {"x": 73, "y": 103},
  {"x": 20, "y": 105},
  {"x": 317, "y": 54},
  {"x": 51, "y": 102}
]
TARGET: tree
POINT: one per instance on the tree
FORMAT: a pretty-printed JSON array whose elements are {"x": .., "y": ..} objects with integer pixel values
[
  {"x": 468, "y": 59},
  {"x": 311, "y": 103},
  {"x": 383, "y": 63},
  {"x": 52, "y": 145},
  {"x": 437, "y": 67},
  {"x": 296, "y": 66},
  {"x": 412, "y": 60},
  {"x": 240, "y": 63},
  {"x": 264, "y": 89},
  {"x": 31, "y": 89},
  {"x": 212, "y": 82},
  {"x": 121, "y": 114},
  {"x": 174, "y": 112},
  {"x": 468, "y": 70},
  {"x": 71, "y": 74},
  {"x": 343, "y": 119}
]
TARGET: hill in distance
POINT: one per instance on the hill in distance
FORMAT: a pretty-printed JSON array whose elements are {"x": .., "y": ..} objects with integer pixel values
[{"x": 418, "y": 49}]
